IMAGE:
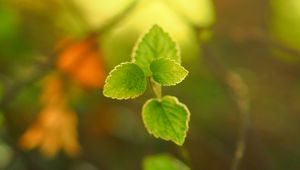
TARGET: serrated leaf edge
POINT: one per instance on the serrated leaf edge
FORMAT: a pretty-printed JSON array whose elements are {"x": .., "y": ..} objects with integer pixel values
[
  {"x": 143, "y": 36},
  {"x": 187, "y": 72},
  {"x": 186, "y": 122},
  {"x": 109, "y": 76}
]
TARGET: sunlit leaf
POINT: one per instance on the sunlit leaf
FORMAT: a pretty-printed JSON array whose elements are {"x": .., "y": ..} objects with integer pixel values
[
  {"x": 154, "y": 45},
  {"x": 127, "y": 80},
  {"x": 163, "y": 162},
  {"x": 167, "y": 72},
  {"x": 166, "y": 118}
]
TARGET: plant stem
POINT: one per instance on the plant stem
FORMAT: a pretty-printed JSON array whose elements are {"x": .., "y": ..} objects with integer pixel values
[
  {"x": 156, "y": 88},
  {"x": 241, "y": 143},
  {"x": 185, "y": 156},
  {"x": 240, "y": 94}
]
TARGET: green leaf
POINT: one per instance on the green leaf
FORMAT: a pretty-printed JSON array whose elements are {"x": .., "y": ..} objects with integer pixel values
[
  {"x": 155, "y": 44},
  {"x": 126, "y": 80},
  {"x": 163, "y": 162},
  {"x": 167, "y": 72},
  {"x": 166, "y": 118}
]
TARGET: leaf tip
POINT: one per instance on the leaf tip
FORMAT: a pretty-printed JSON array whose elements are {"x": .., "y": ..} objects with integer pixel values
[{"x": 156, "y": 27}]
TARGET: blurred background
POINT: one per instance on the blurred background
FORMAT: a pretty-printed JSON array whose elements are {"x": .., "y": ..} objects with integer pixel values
[{"x": 243, "y": 58}]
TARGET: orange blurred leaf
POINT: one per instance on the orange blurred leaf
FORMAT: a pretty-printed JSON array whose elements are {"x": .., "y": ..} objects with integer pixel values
[
  {"x": 82, "y": 62},
  {"x": 55, "y": 127}
]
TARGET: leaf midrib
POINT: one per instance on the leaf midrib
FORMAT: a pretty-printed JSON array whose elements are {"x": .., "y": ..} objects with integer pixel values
[{"x": 167, "y": 117}]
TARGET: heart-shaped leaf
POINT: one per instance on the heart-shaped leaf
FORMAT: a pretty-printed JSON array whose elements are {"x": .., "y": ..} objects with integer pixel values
[
  {"x": 166, "y": 118},
  {"x": 167, "y": 72},
  {"x": 126, "y": 80}
]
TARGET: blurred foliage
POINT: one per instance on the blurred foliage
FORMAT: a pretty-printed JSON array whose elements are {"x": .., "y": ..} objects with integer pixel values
[
  {"x": 6, "y": 154},
  {"x": 163, "y": 162},
  {"x": 42, "y": 38},
  {"x": 285, "y": 25},
  {"x": 82, "y": 61},
  {"x": 55, "y": 127}
]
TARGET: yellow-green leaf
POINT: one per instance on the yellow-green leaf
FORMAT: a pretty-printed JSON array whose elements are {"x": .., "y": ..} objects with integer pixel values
[
  {"x": 166, "y": 118},
  {"x": 163, "y": 162},
  {"x": 167, "y": 72},
  {"x": 155, "y": 44},
  {"x": 126, "y": 81}
]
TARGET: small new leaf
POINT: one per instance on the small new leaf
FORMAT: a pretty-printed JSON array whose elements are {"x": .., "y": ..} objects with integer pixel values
[
  {"x": 167, "y": 72},
  {"x": 155, "y": 44},
  {"x": 163, "y": 162},
  {"x": 166, "y": 118},
  {"x": 125, "y": 81}
]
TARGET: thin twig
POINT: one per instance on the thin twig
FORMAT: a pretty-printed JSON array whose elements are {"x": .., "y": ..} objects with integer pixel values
[
  {"x": 116, "y": 19},
  {"x": 186, "y": 158},
  {"x": 239, "y": 92},
  {"x": 40, "y": 70},
  {"x": 76, "y": 14},
  {"x": 256, "y": 35}
]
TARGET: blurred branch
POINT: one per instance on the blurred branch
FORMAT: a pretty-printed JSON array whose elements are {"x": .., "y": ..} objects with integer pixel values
[
  {"x": 236, "y": 85},
  {"x": 186, "y": 157},
  {"x": 237, "y": 88},
  {"x": 44, "y": 67},
  {"x": 256, "y": 35},
  {"x": 116, "y": 19},
  {"x": 40, "y": 70},
  {"x": 180, "y": 14},
  {"x": 239, "y": 92},
  {"x": 75, "y": 12}
]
